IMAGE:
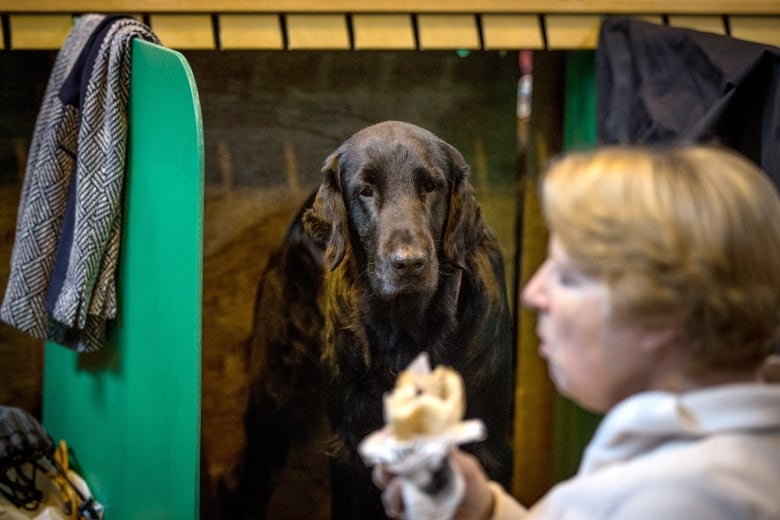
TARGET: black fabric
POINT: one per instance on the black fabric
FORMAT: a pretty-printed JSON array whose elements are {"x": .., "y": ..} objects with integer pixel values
[
  {"x": 74, "y": 89},
  {"x": 659, "y": 84}
]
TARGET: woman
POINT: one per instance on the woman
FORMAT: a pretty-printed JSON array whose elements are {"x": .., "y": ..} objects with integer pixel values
[{"x": 658, "y": 303}]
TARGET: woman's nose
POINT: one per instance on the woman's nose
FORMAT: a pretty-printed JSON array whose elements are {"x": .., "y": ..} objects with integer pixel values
[{"x": 534, "y": 295}]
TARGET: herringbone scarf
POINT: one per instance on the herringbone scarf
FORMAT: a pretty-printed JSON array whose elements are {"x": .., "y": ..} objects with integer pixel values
[{"x": 88, "y": 147}]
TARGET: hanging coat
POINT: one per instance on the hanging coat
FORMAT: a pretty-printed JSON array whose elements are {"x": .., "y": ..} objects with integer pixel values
[{"x": 659, "y": 84}]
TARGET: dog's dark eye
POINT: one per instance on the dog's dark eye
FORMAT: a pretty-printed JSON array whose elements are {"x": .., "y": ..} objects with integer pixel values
[
  {"x": 429, "y": 187},
  {"x": 367, "y": 191}
]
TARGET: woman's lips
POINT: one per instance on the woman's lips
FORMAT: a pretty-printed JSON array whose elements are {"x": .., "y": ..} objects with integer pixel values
[{"x": 543, "y": 350}]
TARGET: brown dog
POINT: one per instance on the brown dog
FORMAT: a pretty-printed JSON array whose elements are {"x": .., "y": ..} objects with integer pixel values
[{"x": 390, "y": 258}]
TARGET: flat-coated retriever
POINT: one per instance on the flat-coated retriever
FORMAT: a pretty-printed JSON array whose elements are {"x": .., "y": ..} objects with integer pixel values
[{"x": 390, "y": 257}]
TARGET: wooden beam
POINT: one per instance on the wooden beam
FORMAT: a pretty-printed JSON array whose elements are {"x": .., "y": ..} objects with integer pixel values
[
  {"x": 751, "y": 7},
  {"x": 250, "y": 31},
  {"x": 447, "y": 31},
  {"x": 184, "y": 31},
  {"x": 389, "y": 31},
  {"x": 39, "y": 31},
  {"x": 710, "y": 24},
  {"x": 317, "y": 31},
  {"x": 511, "y": 31},
  {"x": 572, "y": 31},
  {"x": 650, "y": 18},
  {"x": 763, "y": 29}
]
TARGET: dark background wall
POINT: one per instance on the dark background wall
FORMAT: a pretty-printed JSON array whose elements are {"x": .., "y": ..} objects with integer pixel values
[
  {"x": 270, "y": 120},
  {"x": 23, "y": 77}
]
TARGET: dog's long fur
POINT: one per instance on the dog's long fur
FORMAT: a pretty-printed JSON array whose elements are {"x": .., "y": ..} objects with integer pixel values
[{"x": 390, "y": 258}]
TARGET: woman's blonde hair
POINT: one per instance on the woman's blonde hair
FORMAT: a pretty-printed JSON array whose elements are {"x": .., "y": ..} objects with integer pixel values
[{"x": 685, "y": 237}]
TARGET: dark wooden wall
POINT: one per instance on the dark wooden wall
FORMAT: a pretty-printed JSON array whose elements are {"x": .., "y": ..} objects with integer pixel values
[
  {"x": 270, "y": 120},
  {"x": 23, "y": 77}
]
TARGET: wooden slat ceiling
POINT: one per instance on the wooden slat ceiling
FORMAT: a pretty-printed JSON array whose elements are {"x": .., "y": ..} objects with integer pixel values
[{"x": 385, "y": 24}]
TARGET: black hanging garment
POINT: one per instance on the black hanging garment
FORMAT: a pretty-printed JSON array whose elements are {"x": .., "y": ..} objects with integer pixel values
[{"x": 659, "y": 84}]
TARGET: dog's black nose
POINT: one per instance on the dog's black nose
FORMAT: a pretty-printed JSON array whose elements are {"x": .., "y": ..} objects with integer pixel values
[{"x": 405, "y": 261}]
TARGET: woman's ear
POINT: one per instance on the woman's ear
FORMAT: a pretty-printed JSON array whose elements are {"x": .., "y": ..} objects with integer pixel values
[{"x": 326, "y": 220}]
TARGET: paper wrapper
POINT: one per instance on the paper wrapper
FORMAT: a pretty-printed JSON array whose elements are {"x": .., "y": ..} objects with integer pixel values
[{"x": 431, "y": 486}]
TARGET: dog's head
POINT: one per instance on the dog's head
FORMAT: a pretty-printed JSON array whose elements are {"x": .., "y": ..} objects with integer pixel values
[{"x": 400, "y": 198}]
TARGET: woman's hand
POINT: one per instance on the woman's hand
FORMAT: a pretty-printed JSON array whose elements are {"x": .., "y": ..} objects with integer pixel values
[{"x": 477, "y": 502}]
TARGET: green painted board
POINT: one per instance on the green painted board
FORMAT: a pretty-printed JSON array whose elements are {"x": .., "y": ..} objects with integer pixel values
[{"x": 131, "y": 413}]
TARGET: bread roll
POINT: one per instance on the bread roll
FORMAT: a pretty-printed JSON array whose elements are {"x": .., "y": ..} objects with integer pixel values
[{"x": 424, "y": 404}]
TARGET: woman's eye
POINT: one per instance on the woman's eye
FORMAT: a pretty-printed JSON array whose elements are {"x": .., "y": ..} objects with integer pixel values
[
  {"x": 367, "y": 191},
  {"x": 568, "y": 278}
]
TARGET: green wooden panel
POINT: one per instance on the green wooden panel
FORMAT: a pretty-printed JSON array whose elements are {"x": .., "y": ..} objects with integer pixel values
[
  {"x": 131, "y": 412},
  {"x": 579, "y": 119},
  {"x": 574, "y": 426}
]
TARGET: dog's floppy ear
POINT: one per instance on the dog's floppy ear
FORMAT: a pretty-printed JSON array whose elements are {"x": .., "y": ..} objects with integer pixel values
[
  {"x": 464, "y": 222},
  {"x": 326, "y": 220}
]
